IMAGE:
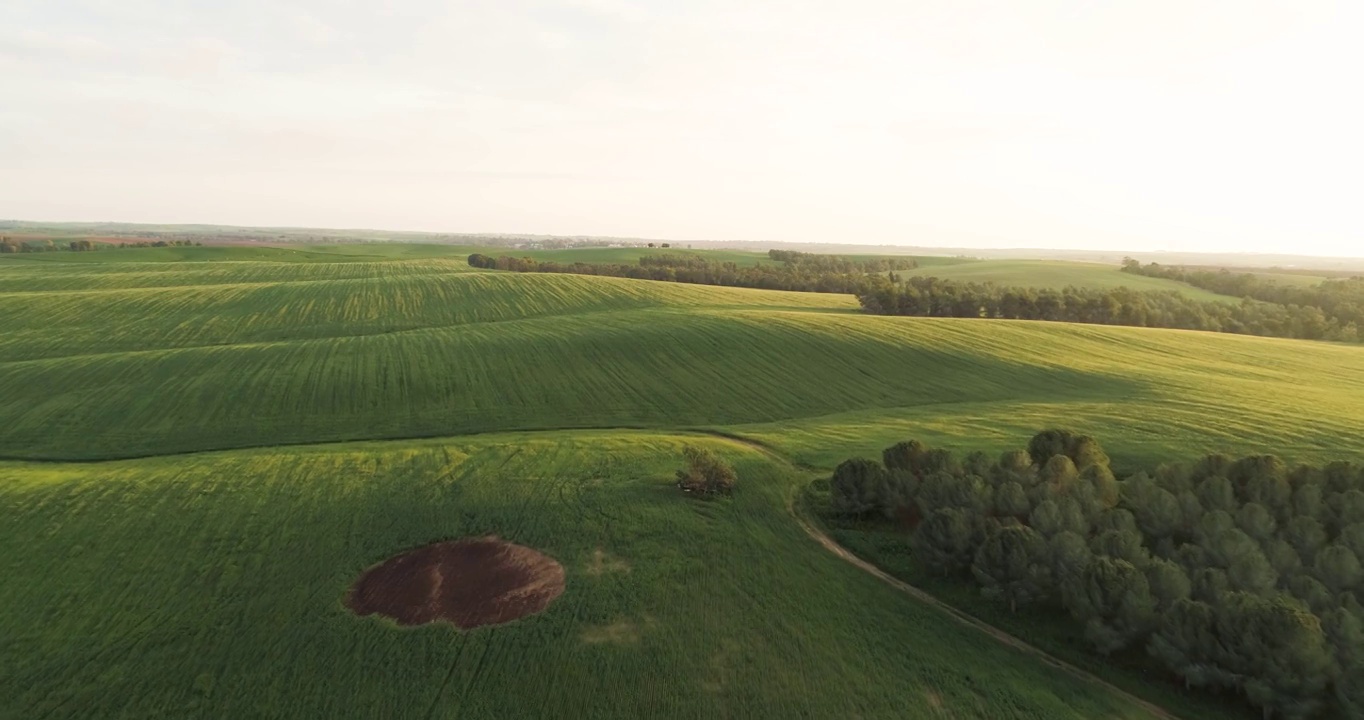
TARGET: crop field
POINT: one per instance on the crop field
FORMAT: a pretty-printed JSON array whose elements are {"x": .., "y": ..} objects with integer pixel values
[
  {"x": 197, "y": 459},
  {"x": 1057, "y": 274}
]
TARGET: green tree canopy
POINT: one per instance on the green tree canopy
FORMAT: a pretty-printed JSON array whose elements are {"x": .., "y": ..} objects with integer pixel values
[{"x": 1013, "y": 564}]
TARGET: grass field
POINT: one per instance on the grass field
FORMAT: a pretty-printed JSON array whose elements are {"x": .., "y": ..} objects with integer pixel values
[
  {"x": 1057, "y": 274},
  {"x": 201, "y": 456}
]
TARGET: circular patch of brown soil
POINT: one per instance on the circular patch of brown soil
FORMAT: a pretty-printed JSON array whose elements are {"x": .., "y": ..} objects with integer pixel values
[{"x": 470, "y": 583}]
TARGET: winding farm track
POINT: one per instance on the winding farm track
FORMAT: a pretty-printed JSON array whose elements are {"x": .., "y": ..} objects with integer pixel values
[
  {"x": 964, "y": 619},
  {"x": 960, "y": 617}
]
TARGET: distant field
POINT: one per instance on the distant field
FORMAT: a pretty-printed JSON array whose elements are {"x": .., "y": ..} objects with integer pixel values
[
  {"x": 298, "y": 252},
  {"x": 256, "y": 430},
  {"x": 1285, "y": 276},
  {"x": 1058, "y": 274}
]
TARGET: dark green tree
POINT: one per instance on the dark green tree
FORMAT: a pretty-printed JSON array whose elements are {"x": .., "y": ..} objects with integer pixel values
[
  {"x": 944, "y": 490},
  {"x": 1307, "y": 537},
  {"x": 907, "y": 455},
  {"x": 1011, "y": 500},
  {"x": 1352, "y": 536},
  {"x": 1121, "y": 545},
  {"x": 1256, "y": 521},
  {"x": 1013, "y": 565},
  {"x": 1276, "y": 652},
  {"x": 1185, "y": 641},
  {"x": 1113, "y": 603},
  {"x": 946, "y": 541},
  {"x": 1168, "y": 582},
  {"x": 859, "y": 487},
  {"x": 1217, "y": 494},
  {"x": 1158, "y": 513},
  {"x": 1282, "y": 557},
  {"x": 1337, "y": 568},
  {"x": 1048, "y": 444},
  {"x": 1070, "y": 555},
  {"x": 1249, "y": 571}
]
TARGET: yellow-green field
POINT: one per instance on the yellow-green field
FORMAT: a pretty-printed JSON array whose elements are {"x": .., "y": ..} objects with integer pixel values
[{"x": 201, "y": 456}]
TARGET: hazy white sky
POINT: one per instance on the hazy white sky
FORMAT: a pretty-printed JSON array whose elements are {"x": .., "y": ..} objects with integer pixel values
[{"x": 1136, "y": 125}]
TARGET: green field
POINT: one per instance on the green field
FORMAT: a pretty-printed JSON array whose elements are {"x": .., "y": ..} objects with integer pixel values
[
  {"x": 1057, "y": 274},
  {"x": 199, "y": 457}
]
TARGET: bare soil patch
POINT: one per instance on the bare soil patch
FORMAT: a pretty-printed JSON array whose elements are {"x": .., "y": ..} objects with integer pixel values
[{"x": 469, "y": 583}]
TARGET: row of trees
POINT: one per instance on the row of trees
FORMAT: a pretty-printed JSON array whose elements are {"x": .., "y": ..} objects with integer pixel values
[
  {"x": 16, "y": 245},
  {"x": 935, "y": 297},
  {"x": 1235, "y": 574},
  {"x": 699, "y": 271},
  {"x": 881, "y": 291},
  {"x": 839, "y": 264},
  {"x": 157, "y": 243},
  {"x": 1339, "y": 300}
]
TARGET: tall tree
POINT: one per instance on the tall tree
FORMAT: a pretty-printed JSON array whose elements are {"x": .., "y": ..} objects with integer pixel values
[
  {"x": 1277, "y": 651},
  {"x": 946, "y": 540},
  {"x": 1013, "y": 564},
  {"x": 1070, "y": 555},
  {"x": 1185, "y": 641},
  {"x": 1338, "y": 569},
  {"x": 1114, "y": 604},
  {"x": 1256, "y": 521},
  {"x": 1011, "y": 500},
  {"x": 858, "y": 487},
  {"x": 1168, "y": 582}
]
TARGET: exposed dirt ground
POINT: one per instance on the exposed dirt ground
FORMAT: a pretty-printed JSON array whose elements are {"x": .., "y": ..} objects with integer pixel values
[{"x": 469, "y": 583}]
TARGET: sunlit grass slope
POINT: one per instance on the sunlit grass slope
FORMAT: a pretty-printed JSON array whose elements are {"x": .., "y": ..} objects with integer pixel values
[
  {"x": 249, "y": 354},
  {"x": 1058, "y": 274},
  {"x": 211, "y": 586}
]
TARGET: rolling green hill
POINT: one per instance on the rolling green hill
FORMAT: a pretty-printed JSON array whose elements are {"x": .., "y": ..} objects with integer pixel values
[{"x": 200, "y": 457}]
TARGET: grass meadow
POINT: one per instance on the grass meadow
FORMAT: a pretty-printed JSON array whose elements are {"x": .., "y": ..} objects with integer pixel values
[{"x": 203, "y": 447}]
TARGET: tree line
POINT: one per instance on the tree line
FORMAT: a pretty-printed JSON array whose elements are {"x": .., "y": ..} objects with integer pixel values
[
  {"x": 936, "y": 297},
  {"x": 838, "y": 264},
  {"x": 16, "y": 245},
  {"x": 1340, "y": 301},
  {"x": 1238, "y": 575},
  {"x": 794, "y": 276},
  {"x": 881, "y": 290}
]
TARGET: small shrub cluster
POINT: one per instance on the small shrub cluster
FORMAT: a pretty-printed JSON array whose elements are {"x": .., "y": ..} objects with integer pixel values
[{"x": 706, "y": 474}]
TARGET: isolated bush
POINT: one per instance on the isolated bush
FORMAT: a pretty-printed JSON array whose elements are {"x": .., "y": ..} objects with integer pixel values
[{"x": 706, "y": 474}]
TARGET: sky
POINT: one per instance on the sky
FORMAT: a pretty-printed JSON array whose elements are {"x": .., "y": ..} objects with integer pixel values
[{"x": 1148, "y": 125}]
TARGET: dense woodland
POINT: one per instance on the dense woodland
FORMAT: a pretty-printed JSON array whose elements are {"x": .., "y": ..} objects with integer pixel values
[
  {"x": 1237, "y": 575},
  {"x": 802, "y": 272},
  {"x": 935, "y": 297}
]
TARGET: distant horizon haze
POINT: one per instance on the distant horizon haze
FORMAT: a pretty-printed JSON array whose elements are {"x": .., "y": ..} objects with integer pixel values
[{"x": 1157, "y": 126}]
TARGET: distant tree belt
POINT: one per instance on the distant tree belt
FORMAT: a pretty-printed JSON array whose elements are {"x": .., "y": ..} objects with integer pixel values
[
  {"x": 1234, "y": 574},
  {"x": 935, "y": 297},
  {"x": 12, "y": 245},
  {"x": 1341, "y": 301},
  {"x": 802, "y": 272}
]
